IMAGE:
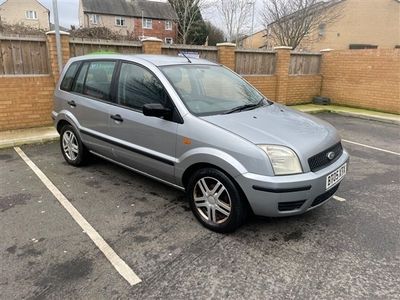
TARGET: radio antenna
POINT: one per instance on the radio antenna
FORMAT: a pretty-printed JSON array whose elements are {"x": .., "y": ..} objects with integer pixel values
[{"x": 184, "y": 55}]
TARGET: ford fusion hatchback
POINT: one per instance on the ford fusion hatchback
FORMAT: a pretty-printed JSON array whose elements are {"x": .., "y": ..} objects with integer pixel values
[{"x": 201, "y": 128}]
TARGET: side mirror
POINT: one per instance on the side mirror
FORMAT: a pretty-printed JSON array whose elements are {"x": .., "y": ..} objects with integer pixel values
[{"x": 156, "y": 110}]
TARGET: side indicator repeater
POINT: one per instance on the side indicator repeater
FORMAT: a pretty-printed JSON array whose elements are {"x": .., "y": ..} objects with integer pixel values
[{"x": 186, "y": 141}]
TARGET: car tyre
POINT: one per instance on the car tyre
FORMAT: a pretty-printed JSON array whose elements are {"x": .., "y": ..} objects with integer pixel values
[
  {"x": 72, "y": 148},
  {"x": 216, "y": 201}
]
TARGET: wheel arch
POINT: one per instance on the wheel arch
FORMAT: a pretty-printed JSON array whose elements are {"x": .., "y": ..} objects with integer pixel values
[
  {"x": 202, "y": 165},
  {"x": 61, "y": 124}
]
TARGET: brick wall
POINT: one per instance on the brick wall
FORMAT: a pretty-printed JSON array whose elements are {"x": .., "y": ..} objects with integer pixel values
[
  {"x": 266, "y": 84},
  {"x": 302, "y": 88},
  {"x": 25, "y": 101},
  {"x": 363, "y": 78}
]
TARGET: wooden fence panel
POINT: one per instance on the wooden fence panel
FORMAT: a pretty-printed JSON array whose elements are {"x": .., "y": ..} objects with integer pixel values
[
  {"x": 23, "y": 55},
  {"x": 250, "y": 62},
  {"x": 80, "y": 47},
  {"x": 27, "y": 59},
  {"x": 304, "y": 64},
  {"x": 17, "y": 57},
  {"x": 209, "y": 53},
  {"x": 7, "y": 58}
]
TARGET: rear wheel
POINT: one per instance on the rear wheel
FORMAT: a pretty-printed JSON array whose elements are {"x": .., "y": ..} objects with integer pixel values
[
  {"x": 215, "y": 200},
  {"x": 73, "y": 150}
]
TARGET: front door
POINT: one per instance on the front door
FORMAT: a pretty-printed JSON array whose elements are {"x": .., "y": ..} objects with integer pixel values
[{"x": 144, "y": 143}]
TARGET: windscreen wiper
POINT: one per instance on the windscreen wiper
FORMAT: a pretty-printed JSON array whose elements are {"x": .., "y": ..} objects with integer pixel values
[{"x": 244, "y": 107}]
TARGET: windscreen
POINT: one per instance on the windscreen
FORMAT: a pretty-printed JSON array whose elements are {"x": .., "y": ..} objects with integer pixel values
[{"x": 209, "y": 90}]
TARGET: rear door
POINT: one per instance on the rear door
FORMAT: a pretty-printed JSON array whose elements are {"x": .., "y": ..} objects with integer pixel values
[
  {"x": 144, "y": 143},
  {"x": 90, "y": 102}
]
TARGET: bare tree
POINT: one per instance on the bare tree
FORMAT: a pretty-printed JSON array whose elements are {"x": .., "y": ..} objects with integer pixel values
[
  {"x": 288, "y": 22},
  {"x": 235, "y": 15},
  {"x": 188, "y": 12}
]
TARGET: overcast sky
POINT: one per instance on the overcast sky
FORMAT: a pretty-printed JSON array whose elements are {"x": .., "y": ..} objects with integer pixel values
[{"x": 68, "y": 13}]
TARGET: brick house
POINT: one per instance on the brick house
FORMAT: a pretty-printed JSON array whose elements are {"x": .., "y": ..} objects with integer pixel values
[
  {"x": 363, "y": 24},
  {"x": 136, "y": 18},
  {"x": 25, "y": 12}
]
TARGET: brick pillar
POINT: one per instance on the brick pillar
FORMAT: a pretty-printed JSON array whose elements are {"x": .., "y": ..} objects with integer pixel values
[
  {"x": 151, "y": 46},
  {"x": 326, "y": 54},
  {"x": 226, "y": 55},
  {"x": 282, "y": 73},
  {"x": 52, "y": 50}
]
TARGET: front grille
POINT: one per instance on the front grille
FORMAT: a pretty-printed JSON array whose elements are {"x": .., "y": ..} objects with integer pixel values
[
  {"x": 321, "y": 160},
  {"x": 325, "y": 196},
  {"x": 287, "y": 206}
]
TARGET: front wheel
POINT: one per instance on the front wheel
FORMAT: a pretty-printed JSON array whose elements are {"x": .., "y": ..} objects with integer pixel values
[
  {"x": 215, "y": 200},
  {"x": 73, "y": 150}
]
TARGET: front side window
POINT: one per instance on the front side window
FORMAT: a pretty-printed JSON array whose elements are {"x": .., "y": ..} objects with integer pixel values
[
  {"x": 137, "y": 86},
  {"x": 66, "y": 84},
  {"x": 209, "y": 90},
  {"x": 119, "y": 21},
  {"x": 31, "y": 14},
  {"x": 168, "y": 25},
  {"x": 148, "y": 23}
]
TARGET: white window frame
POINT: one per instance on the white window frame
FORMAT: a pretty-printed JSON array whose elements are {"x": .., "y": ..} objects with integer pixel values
[
  {"x": 94, "y": 19},
  {"x": 168, "y": 25},
  {"x": 120, "y": 20},
  {"x": 31, "y": 15},
  {"x": 145, "y": 24},
  {"x": 169, "y": 38}
]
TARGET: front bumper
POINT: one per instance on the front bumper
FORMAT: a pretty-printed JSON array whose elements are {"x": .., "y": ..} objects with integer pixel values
[{"x": 278, "y": 196}]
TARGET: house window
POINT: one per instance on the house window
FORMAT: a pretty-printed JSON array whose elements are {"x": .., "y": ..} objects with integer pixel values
[
  {"x": 148, "y": 23},
  {"x": 322, "y": 29},
  {"x": 94, "y": 19},
  {"x": 119, "y": 21},
  {"x": 169, "y": 41},
  {"x": 362, "y": 46},
  {"x": 168, "y": 25},
  {"x": 31, "y": 15}
]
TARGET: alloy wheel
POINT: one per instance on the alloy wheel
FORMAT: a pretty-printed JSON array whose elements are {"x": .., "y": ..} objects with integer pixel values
[
  {"x": 212, "y": 200},
  {"x": 70, "y": 145}
]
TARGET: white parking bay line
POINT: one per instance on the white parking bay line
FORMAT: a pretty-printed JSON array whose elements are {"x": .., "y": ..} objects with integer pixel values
[
  {"x": 340, "y": 199},
  {"x": 371, "y": 147},
  {"x": 110, "y": 254}
]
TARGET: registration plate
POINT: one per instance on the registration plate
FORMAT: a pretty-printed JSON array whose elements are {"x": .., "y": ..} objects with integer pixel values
[{"x": 336, "y": 176}]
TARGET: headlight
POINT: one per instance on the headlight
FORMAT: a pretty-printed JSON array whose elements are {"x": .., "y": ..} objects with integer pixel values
[{"x": 283, "y": 159}]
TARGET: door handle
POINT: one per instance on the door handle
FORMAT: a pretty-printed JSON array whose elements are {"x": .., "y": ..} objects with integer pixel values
[
  {"x": 117, "y": 118},
  {"x": 72, "y": 103}
]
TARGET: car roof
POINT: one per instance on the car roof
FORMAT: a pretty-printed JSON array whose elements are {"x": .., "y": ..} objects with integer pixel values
[{"x": 157, "y": 60}]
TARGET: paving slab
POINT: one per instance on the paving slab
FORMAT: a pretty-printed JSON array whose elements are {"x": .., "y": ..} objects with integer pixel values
[{"x": 349, "y": 111}]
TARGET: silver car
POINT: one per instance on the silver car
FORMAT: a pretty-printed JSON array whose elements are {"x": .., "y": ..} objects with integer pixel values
[{"x": 201, "y": 128}]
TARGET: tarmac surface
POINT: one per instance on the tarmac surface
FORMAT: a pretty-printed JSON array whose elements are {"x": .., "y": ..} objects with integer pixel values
[{"x": 349, "y": 248}]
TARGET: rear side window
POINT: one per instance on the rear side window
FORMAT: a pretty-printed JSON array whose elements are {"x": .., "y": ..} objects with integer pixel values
[
  {"x": 66, "y": 84},
  {"x": 137, "y": 87},
  {"x": 98, "y": 80},
  {"x": 80, "y": 80},
  {"x": 94, "y": 79}
]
